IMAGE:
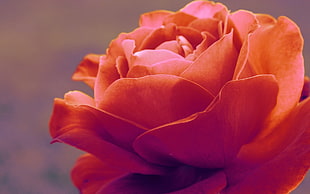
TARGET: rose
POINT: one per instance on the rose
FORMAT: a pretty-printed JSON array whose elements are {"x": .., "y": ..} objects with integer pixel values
[{"x": 196, "y": 101}]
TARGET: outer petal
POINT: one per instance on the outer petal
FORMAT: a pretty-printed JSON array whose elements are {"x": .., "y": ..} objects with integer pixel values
[
  {"x": 279, "y": 162},
  {"x": 90, "y": 174},
  {"x": 154, "y": 100},
  {"x": 211, "y": 139},
  {"x": 215, "y": 66},
  {"x": 87, "y": 70},
  {"x": 92, "y": 131},
  {"x": 277, "y": 49}
]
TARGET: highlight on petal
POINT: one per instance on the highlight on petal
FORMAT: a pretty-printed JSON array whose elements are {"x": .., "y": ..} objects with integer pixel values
[
  {"x": 87, "y": 70},
  {"x": 90, "y": 174},
  {"x": 204, "y": 9},
  {"x": 105, "y": 136},
  {"x": 154, "y": 100},
  {"x": 78, "y": 98},
  {"x": 215, "y": 66},
  {"x": 211, "y": 139},
  {"x": 277, "y": 163},
  {"x": 171, "y": 45},
  {"x": 150, "y": 57},
  {"x": 154, "y": 19}
]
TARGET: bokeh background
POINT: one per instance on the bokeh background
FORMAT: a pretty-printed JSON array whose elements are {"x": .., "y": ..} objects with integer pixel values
[{"x": 41, "y": 42}]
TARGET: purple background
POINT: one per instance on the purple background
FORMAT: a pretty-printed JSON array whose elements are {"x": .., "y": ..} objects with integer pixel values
[{"x": 41, "y": 42}]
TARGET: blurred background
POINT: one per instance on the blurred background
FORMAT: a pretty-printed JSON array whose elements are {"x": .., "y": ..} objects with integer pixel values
[{"x": 41, "y": 43}]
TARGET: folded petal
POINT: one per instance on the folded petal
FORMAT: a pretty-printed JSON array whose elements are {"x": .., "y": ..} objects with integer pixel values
[
  {"x": 154, "y": 100},
  {"x": 215, "y": 66},
  {"x": 107, "y": 137},
  {"x": 276, "y": 48},
  {"x": 279, "y": 162},
  {"x": 211, "y": 139},
  {"x": 87, "y": 70},
  {"x": 90, "y": 174}
]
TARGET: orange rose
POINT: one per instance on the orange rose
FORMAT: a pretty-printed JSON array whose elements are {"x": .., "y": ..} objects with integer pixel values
[{"x": 195, "y": 101}]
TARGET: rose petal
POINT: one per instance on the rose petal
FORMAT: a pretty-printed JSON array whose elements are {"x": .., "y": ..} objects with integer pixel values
[
  {"x": 92, "y": 131},
  {"x": 208, "y": 40},
  {"x": 215, "y": 66},
  {"x": 279, "y": 162},
  {"x": 154, "y": 100},
  {"x": 178, "y": 182},
  {"x": 209, "y": 25},
  {"x": 154, "y": 19},
  {"x": 279, "y": 54},
  {"x": 90, "y": 174},
  {"x": 211, "y": 139},
  {"x": 204, "y": 9},
  {"x": 179, "y": 18},
  {"x": 87, "y": 70}
]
